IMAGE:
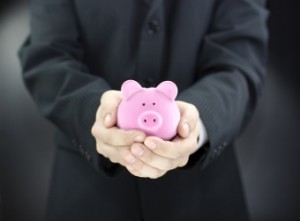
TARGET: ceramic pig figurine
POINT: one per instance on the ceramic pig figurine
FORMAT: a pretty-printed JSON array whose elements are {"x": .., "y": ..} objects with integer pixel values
[{"x": 152, "y": 110}]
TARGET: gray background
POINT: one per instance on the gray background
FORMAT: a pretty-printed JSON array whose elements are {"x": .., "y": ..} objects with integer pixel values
[{"x": 268, "y": 150}]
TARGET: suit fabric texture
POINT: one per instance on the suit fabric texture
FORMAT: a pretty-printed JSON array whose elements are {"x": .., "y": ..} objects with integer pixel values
[{"x": 214, "y": 50}]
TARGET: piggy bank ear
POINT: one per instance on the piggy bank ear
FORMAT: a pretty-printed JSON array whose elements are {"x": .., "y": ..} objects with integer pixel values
[
  {"x": 168, "y": 88},
  {"x": 129, "y": 88}
]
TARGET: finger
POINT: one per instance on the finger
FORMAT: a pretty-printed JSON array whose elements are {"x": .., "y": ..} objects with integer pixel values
[
  {"x": 152, "y": 159},
  {"x": 119, "y": 155},
  {"x": 109, "y": 152},
  {"x": 189, "y": 117},
  {"x": 116, "y": 137},
  {"x": 183, "y": 161},
  {"x": 141, "y": 174},
  {"x": 124, "y": 157},
  {"x": 135, "y": 172},
  {"x": 143, "y": 170},
  {"x": 110, "y": 101},
  {"x": 167, "y": 149},
  {"x": 175, "y": 149}
]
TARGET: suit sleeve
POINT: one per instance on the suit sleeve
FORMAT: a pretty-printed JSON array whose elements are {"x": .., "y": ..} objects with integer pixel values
[
  {"x": 232, "y": 61},
  {"x": 60, "y": 83}
]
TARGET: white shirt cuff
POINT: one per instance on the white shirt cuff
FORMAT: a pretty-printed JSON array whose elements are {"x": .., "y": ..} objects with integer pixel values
[{"x": 203, "y": 138}]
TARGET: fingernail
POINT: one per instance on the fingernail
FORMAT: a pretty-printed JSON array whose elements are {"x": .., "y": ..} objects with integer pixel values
[
  {"x": 186, "y": 128},
  {"x": 150, "y": 144},
  {"x": 130, "y": 159},
  {"x": 107, "y": 119},
  {"x": 138, "y": 150},
  {"x": 138, "y": 139}
]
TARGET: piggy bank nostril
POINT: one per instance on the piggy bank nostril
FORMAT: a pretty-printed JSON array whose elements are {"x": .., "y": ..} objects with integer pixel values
[{"x": 150, "y": 120}]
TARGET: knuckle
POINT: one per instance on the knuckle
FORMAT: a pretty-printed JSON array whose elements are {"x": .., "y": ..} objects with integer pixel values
[
  {"x": 154, "y": 176},
  {"x": 121, "y": 162},
  {"x": 97, "y": 130},
  {"x": 104, "y": 96},
  {"x": 113, "y": 160},
  {"x": 99, "y": 112},
  {"x": 133, "y": 172},
  {"x": 110, "y": 97},
  {"x": 94, "y": 130},
  {"x": 194, "y": 108},
  {"x": 193, "y": 146},
  {"x": 104, "y": 102},
  {"x": 170, "y": 165},
  {"x": 101, "y": 150},
  {"x": 157, "y": 174},
  {"x": 193, "y": 114},
  {"x": 184, "y": 162}
]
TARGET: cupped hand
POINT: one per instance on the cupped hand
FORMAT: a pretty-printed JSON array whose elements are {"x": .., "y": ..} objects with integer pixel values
[
  {"x": 155, "y": 157},
  {"x": 112, "y": 142}
]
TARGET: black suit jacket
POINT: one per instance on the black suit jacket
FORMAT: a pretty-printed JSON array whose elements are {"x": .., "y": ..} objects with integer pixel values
[{"x": 214, "y": 50}]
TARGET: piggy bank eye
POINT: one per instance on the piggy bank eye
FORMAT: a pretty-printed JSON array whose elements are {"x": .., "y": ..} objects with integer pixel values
[
  {"x": 143, "y": 104},
  {"x": 153, "y": 104}
]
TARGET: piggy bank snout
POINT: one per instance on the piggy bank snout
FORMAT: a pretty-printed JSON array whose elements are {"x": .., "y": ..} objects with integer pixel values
[{"x": 150, "y": 120}]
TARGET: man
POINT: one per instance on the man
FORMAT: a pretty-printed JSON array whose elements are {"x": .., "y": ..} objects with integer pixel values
[{"x": 79, "y": 52}]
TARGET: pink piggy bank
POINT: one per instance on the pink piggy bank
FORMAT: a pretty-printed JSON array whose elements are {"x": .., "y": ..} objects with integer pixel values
[{"x": 152, "y": 110}]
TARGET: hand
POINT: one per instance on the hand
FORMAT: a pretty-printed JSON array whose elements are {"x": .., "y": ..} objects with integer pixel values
[
  {"x": 156, "y": 157},
  {"x": 112, "y": 142}
]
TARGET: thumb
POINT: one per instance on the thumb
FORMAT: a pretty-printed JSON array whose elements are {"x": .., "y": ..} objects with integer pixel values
[
  {"x": 183, "y": 129},
  {"x": 188, "y": 120},
  {"x": 110, "y": 101},
  {"x": 110, "y": 119}
]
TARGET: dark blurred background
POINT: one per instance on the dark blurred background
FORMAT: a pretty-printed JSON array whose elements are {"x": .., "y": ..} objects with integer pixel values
[{"x": 268, "y": 151}]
